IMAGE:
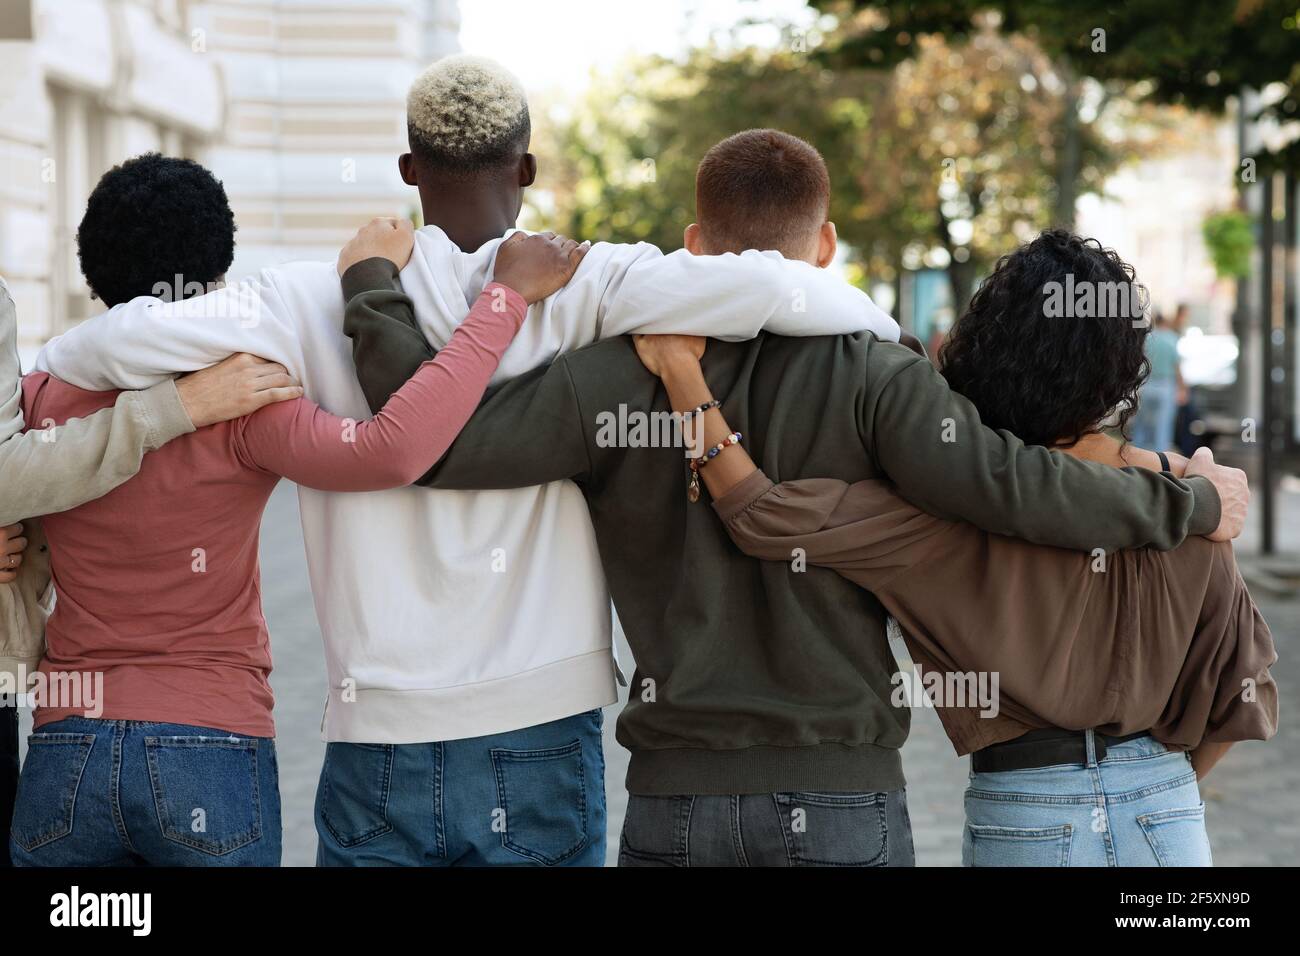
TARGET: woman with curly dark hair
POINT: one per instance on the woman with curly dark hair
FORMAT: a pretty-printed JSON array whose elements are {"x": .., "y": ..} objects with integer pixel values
[{"x": 1091, "y": 690}]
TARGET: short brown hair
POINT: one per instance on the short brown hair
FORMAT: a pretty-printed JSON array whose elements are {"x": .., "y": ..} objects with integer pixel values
[{"x": 761, "y": 189}]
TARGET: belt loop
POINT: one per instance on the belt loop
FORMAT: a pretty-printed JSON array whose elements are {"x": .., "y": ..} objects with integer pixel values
[{"x": 1090, "y": 746}]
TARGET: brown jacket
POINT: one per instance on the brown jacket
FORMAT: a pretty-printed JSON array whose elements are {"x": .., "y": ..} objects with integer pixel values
[{"x": 1166, "y": 641}]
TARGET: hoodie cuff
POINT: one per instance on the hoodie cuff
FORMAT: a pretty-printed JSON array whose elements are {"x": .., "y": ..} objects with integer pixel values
[
  {"x": 369, "y": 275},
  {"x": 1207, "y": 510},
  {"x": 752, "y": 487},
  {"x": 163, "y": 413}
]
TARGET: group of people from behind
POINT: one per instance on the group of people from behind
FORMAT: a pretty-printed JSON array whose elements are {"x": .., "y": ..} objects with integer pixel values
[{"x": 565, "y": 412}]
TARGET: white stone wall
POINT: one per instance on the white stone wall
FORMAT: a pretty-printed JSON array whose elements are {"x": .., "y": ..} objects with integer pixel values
[
  {"x": 297, "y": 105},
  {"x": 316, "y": 102}
]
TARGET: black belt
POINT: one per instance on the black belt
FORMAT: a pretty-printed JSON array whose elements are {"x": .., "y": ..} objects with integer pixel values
[{"x": 1044, "y": 748}]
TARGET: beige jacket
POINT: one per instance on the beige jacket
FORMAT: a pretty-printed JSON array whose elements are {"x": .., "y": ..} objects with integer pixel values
[{"x": 42, "y": 472}]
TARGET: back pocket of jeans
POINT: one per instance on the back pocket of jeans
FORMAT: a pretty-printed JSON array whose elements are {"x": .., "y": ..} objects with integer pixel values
[
  {"x": 543, "y": 795},
  {"x": 835, "y": 829},
  {"x": 1020, "y": 846},
  {"x": 655, "y": 831},
  {"x": 206, "y": 792},
  {"x": 354, "y": 791},
  {"x": 47, "y": 787},
  {"x": 1178, "y": 836}
]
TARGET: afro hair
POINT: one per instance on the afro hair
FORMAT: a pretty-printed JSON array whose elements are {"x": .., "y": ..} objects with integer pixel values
[{"x": 155, "y": 225}]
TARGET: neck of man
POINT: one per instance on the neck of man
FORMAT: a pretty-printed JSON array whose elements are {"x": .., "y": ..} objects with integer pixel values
[{"x": 471, "y": 212}]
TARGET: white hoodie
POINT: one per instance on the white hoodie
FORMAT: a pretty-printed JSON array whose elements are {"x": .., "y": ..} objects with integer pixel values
[{"x": 450, "y": 614}]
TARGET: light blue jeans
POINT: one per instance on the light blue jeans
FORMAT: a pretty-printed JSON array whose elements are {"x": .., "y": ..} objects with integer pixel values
[
  {"x": 1153, "y": 425},
  {"x": 1139, "y": 806}
]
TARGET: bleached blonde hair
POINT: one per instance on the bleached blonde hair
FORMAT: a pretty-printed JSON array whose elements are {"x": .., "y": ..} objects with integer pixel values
[{"x": 467, "y": 113}]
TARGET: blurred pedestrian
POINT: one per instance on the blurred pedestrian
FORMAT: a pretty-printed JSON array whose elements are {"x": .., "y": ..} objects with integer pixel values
[{"x": 1163, "y": 392}]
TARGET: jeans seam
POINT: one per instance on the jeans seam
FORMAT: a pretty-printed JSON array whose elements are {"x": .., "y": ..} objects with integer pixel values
[
  {"x": 781, "y": 828},
  {"x": 439, "y": 833},
  {"x": 1175, "y": 783},
  {"x": 115, "y": 787},
  {"x": 737, "y": 839},
  {"x": 684, "y": 828}
]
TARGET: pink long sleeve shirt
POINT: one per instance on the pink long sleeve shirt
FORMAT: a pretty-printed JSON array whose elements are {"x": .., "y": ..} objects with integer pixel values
[{"x": 158, "y": 583}]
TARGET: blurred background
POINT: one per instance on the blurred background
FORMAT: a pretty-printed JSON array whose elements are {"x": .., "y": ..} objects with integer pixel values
[{"x": 1167, "y": 129}]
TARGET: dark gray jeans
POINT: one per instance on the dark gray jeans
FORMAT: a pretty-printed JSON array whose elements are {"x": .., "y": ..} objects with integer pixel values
[{"x": 768, "y": 829}]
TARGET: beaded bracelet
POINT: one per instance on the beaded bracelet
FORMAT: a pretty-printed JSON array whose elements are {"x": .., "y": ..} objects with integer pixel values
[
  {"x": 698, "y": 409},
  {"x": 693, "y": 486}
]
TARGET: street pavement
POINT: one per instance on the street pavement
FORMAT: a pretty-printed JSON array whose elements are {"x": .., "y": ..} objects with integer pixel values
[{"x": 1252, "y": 798}]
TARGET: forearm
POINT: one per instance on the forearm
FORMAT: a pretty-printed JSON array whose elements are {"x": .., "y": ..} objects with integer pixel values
[
  {"x": 57, "y": 468},
  {"x": 140, "y": 343},
  {"x": 687, "y": 390},
  {"x": 416, "y": 425},
  {"x": 734, "y": 297},
  {"x": 527, "y": 432},
  {"x": 387, "y": 344},
  {"x": 931, "y": 443}
]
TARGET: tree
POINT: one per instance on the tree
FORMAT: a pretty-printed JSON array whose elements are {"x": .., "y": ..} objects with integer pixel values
[
  {"x": 1194, "y": 53},
  {"x": 946, "y": 159},
  {"x": 620, "y": 163}
]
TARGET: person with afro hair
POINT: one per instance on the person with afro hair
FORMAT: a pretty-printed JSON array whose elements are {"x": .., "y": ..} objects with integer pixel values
[{"x": 123, "y": 251}]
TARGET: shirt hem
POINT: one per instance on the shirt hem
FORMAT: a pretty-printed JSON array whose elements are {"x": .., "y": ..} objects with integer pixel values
[{"x": 538, "y": 696}]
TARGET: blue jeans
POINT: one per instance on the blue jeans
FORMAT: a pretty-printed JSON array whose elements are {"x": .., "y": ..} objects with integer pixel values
[
  {"x": 129, "y": 793},
  {"x": 530, "y": 797},
  {"x": 1153, "y": 425},
  {"x": 768, "y": 829},
  {"x": 1139, "y": 806}
]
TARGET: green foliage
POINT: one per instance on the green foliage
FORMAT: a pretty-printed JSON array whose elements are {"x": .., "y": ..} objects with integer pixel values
[
  {"x": 1229, "y": 238},
  {"x": 622, "y": 164},
  {"x": 948, "y": 159},
  {"x": 1195, "y": 53}
]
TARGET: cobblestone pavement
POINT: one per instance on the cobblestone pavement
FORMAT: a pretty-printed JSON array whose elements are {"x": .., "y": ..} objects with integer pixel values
[{"x": 1252, "y": 797}]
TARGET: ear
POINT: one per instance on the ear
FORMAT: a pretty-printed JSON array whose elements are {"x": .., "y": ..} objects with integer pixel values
[
  {"x": 826, "y": 245},
  {"x": 406, "y": 166},
  {"x": 527, "y": 170},
  {"x": 691, "y": 239}
]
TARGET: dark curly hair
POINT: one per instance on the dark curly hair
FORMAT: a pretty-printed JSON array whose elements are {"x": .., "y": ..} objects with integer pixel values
[
  {"x": 1048, "y": 374},
  {"x": 151, "y": 219}
]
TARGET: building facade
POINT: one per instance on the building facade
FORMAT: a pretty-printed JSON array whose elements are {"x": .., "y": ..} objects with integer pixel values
[{"x": 297, "y": 105}]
